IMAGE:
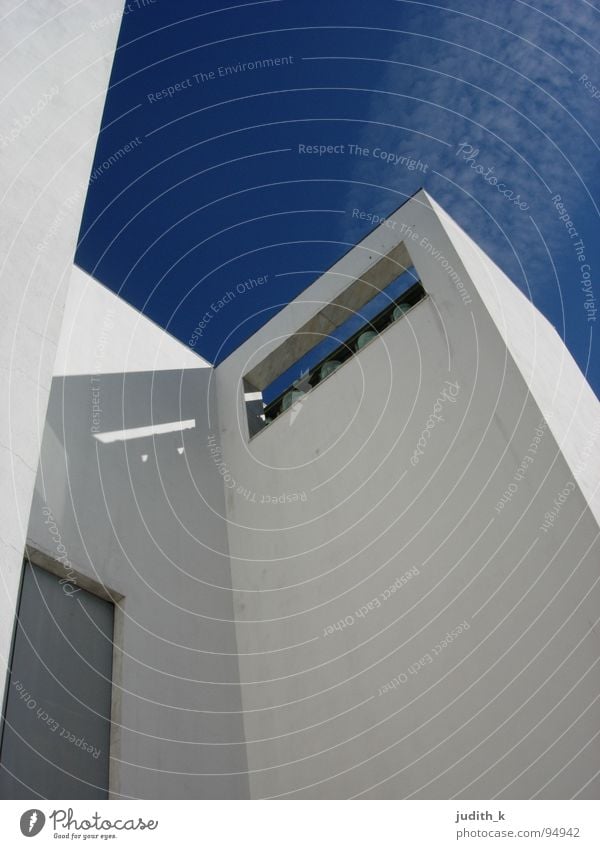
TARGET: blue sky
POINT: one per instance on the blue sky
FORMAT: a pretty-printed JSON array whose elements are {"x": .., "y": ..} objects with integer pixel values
[{"x": 214, "y": 191}]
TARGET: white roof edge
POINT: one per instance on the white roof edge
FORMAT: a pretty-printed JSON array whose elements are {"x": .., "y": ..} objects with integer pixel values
[{"x": 102, "y": 333}]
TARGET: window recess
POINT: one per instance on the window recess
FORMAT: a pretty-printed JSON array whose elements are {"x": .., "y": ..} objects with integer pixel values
[{"x": 329, "y": 350}]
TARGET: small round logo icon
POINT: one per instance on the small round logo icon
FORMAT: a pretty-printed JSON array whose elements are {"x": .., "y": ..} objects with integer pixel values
[{"x": 32, "y": 822}]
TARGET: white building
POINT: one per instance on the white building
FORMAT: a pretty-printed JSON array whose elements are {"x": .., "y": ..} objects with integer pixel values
[{"x": 388, "y": 591}]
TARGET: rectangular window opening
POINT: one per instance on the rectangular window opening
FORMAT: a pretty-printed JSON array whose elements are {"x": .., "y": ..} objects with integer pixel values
[{"x": 332, "y": 349}]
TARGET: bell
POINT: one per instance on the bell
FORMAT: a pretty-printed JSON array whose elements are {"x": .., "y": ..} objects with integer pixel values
[
  {"x": 328, "y": 368},
  {"x": 290, "y": 398},
  {"x": 365, "y": 338},
  {"x": 399, "y": 311}
]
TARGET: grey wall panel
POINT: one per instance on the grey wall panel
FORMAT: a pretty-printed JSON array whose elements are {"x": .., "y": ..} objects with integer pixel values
[
  {"x": 56, "y": 734},
  {"x": 145, "y": 516}
]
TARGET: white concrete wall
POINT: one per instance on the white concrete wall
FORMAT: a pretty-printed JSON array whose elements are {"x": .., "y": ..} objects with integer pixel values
[
  {"x": 144, "y": 517},
  {"x": 55, "y": 66},
  {"x": 553, "y": 376},
  {"x": 103, "y": 333},
  {"x": 507, "y": 707}
]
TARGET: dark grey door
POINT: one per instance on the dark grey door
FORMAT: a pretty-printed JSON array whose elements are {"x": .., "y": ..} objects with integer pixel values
[{"x": 56, "y": 729}]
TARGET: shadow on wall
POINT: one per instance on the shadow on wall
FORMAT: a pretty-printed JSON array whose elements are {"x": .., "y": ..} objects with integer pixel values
[{"x": 128, "y": 495}]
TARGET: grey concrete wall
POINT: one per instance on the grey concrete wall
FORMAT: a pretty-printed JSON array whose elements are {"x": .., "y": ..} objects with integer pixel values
[
  {"x": 55, "y": 69},
  {"x": 145, "y": 519},
  {"x": 63, "y": 654},
  {"x": 350, "y": 689}
]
